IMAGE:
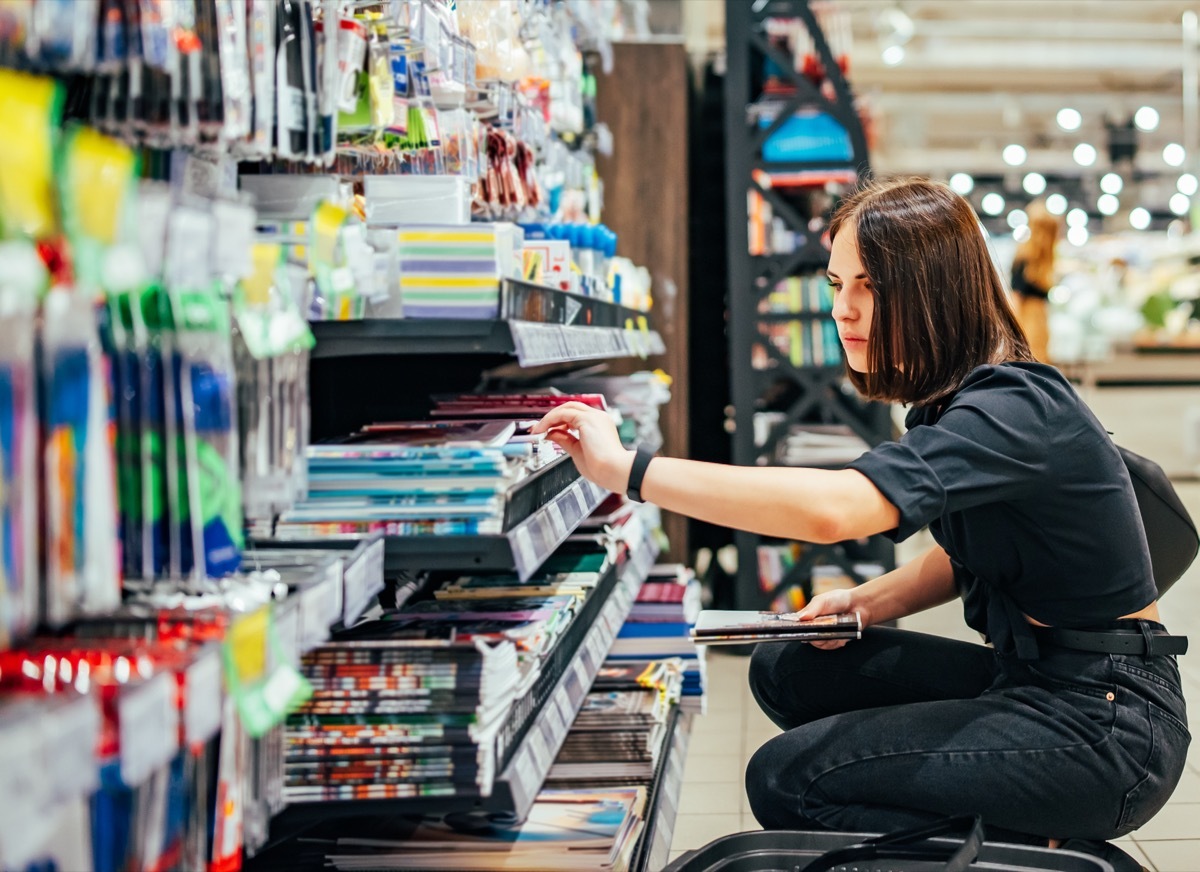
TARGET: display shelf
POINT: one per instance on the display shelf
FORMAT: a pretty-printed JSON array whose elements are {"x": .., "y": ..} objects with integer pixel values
[
  {"x": 654, "y": 847},
  {"x": 535, "y": 728},
  {"x": 524, "y": 547},
  {"x": 539, "y": 325}
]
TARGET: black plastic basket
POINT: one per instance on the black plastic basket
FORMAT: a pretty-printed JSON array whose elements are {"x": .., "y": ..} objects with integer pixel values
[{"x": 787, "y": 851}]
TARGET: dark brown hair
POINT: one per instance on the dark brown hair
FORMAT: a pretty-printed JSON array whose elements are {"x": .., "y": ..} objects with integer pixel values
[{"x": 940, "y": 306}]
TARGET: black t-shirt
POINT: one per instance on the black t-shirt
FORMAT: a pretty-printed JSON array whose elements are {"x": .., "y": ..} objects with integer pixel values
[{"x": 1027, "y": 494}]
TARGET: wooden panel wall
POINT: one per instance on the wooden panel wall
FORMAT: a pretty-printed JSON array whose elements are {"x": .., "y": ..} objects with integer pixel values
[{"x": 644, "y": 100}]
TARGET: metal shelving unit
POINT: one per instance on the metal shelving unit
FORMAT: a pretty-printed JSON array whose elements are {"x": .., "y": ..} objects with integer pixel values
[{"x": 804, "y": 393}]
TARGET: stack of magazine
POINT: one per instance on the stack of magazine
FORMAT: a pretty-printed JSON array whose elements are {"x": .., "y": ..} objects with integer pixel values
[
  {"x": 659, "y": 626},
  {"x": 621, "y": 731},
  {"x": 412, "y": 704},
  {"x": 415, "y": 477},
  {"x": 582, "y": 829},
  {"x": 716, "y": 627}
]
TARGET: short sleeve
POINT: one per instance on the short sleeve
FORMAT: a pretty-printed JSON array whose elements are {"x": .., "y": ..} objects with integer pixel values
[{"x": 991, "y": 445}]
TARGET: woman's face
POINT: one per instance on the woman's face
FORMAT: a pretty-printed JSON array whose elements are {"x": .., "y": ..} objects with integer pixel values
[{"x": 853, "y": 301}]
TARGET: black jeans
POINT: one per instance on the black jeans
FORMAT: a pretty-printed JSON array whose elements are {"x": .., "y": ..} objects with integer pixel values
[{"x": 900, "y": 728}]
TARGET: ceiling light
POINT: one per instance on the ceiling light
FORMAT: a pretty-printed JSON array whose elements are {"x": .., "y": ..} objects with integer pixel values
[
  {"x": 1056, "y": 204},
  {"x": 1022, "y": 233},
  {"x": 992, "y": 203},
  {"x": 893, "y": 55},
  {"x": 1139, "y": 219},
  {"x": 1014, "y": 155},
  {"x": 1069, "y": 119},
  {"x": 1111, "y": 183},
  {"x": 1077, "y": 218},
  {"x": 961, "y": 183},
  {"x": 1077, "y": 235},
  {"x": 1084, "y": 154},
  {"x": 1179, "y": 204},
  {"x": 1146, "y": 118},
  {"x": 1016, "y": 218},
  {"x": 1174, "y": 154},
  {"x": 1108, "y": 204},
  {"x": 1034, "y": 183},
  {"x": 1188, "y": 184}
]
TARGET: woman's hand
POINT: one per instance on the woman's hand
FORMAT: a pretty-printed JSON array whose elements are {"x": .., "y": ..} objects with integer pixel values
[
  {"x": 590, "y": 437},
  {"x": 834, "y": 602}
]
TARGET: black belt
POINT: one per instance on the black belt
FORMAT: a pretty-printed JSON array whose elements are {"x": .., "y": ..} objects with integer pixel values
[{"x": 1132, "y": 641}]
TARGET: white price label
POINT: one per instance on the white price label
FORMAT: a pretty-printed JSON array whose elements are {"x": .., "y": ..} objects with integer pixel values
[
  {"x": 189, "y": 241},
  {"x": 148, "y": 727},
  {"x": 202, "y": 698},
  {"x": 318, "y": 611},
  {"x": 72, "y": 731},
  {"x": 557, "y": 521},
  {"x": 541, "y": 748},
  {"x": 526, "y": 555},
  {"x": 287, "y": 630},
  {"x": 25, "y": 788},
  {"x": 233, "y": 238}
]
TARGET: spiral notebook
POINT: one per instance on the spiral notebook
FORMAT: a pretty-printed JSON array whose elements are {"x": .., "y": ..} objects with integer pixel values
[{"x": 717, "y": 627}]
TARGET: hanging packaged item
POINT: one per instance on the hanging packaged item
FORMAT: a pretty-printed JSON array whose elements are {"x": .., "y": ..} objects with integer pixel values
[
  {"x": 272, "y": 342},
  {"x": 261, "y": 34}
]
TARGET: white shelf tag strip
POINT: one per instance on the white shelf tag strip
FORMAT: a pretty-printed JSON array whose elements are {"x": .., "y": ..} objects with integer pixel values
[{"x": 148, "y": 723}]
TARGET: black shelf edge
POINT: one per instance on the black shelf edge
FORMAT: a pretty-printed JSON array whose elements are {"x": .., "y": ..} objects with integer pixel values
[
  {"x": 524, "y": 548},
  {"x": 654, "y": 849},
  {"x": 537, "y": 740},
  {"x": 539, "y": 325},
  {"x": 518, "y": 783},
  {"x": 800, "y": 166}
]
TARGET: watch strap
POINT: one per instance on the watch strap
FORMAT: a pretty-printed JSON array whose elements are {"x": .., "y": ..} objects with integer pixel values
[{"x": 637, "y": 472}]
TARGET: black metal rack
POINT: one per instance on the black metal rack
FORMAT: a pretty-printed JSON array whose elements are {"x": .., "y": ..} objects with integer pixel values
[{"x": 807, "y": 392}]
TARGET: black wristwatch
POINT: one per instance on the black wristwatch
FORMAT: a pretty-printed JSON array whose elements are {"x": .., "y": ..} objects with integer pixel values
[{"x": 641, "y": 460}]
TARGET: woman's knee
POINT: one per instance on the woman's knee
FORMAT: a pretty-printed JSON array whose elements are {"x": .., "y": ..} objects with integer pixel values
[{"x": 775, "y": 681}]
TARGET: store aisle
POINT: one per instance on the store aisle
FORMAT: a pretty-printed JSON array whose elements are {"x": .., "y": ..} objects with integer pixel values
[{"x": 713, "y": 801}]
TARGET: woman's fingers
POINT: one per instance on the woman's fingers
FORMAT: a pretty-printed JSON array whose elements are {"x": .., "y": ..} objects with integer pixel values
[{"x": 567, "y": 415}]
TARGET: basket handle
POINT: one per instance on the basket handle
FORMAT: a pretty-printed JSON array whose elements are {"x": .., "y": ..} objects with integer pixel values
[{"x": 910, "y": 844}]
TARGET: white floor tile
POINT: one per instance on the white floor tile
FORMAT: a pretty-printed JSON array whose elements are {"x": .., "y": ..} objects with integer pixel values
[
  {"x": 706, "y": 769},
  {"x": 1177, "y": 856},
  {"x": 1188, "y": 789},
  {"x": 712, "y": 798},
  {"x": 697, "y": 830},
  {"x": 1178, "y": 820}
]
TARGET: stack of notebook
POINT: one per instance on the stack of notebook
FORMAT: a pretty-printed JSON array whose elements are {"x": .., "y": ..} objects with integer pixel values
[
  {"x": 413, "y": 478},
  {"x": 659, "y": 626}
]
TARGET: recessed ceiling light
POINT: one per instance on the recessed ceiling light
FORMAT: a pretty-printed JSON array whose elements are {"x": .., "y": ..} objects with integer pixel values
[
  {"x": 1022, "y": 233},
  {"x": 961, "y": 183},
  {"x": 1174, "y": 154},
  {"x": 992, "y": 203},
  {"x": 1077, "y": 218},
  {"x": 1014, "y": 155},
  {"x": 1084, "y": 154},
  {"x": 1111, "y": 183},
  {"x": 893, "y": 55},
  {"x": 1179, "y": 204},
  {"x": 1069, "y": 119},
  {"x": 1188, "y": 184},
  {"x": 1139, "y": 219},
  {"x": 1077, "y": 235},
  {"x": 1017, "y": 218},
  {"x": 1108, "y": 204},
  {"x": 1034, "y": 183},
  {"x": 1146, "y": 118}
]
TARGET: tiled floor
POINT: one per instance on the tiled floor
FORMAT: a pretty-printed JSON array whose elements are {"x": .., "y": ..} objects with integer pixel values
[{"x": 713, "y": 802}]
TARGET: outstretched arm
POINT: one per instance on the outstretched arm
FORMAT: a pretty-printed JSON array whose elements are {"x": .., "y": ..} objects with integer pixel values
[{"x": 812, "y": 505}]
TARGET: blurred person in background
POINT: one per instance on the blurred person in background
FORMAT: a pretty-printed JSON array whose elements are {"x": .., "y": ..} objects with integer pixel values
[{"x": 1032, "y": 278}]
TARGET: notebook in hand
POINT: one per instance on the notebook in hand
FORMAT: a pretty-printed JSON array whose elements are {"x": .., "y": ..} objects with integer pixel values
[{"x": 716, "y": 627}]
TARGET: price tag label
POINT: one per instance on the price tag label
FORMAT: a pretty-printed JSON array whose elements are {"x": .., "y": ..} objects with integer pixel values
[
  {"x": 148, "y": 727},
  {"x": 189, "y": 241},
  {"x": 26, "y": 791},
  {"x": 557, "y": 521},
  {"x": 202, "y": 698},
  {"x": 526, "y": 554},
  {"x": 72, "y": 732},
  {"x": 287, "y": 628},
  {"x": 563, "y": 702}
]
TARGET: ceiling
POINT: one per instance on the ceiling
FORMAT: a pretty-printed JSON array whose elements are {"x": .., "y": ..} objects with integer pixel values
[{"x": 977, "y": 75}]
